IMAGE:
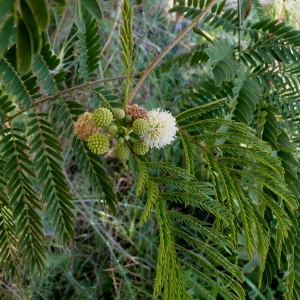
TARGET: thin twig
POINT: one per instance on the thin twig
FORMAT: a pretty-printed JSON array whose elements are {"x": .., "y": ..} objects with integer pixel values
[
  {"x": 168, "y": 48},
  {"x": 68, "y": 91},
  {"x": 113, "y": 27}
]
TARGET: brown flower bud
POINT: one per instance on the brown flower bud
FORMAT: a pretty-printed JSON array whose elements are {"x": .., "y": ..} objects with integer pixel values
[
  {"x": 84, "y": 127},
  {"x": 136, "y": 112}
]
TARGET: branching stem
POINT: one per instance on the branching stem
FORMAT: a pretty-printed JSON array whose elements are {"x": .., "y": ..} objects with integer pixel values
[{"x": 87, "y": 84}]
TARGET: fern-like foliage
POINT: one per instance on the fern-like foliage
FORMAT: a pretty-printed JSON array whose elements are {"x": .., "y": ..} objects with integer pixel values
[
  {"x": 228, "y": 19},
  {"x": 88, "y": 44},
  {"x": 195, "y": 56},
  {"x": 6, "y": 106},
  {"x": 23, "y": 87},
  {"x": 223, "y": 65},
  {"x": 174, "y": 260},
  {"x": 43, "y": 64},
  {"x": 241, "y": 166},
  {"x": 8, "y": 254},
  {"x": 23, "y": 198},
  {"x": 56, "y": 195},
  {"x": 92, "y": 166},
  {"x": 32, "y": 178}
]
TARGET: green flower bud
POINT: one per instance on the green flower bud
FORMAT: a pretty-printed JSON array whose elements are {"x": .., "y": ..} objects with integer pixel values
[
  {"x": 128, "y": 119},
  {"x": 120, "y": 140},
  {"x": 113, "y": 130},
  {"x": 119, "y": 114},
  {"x": 102, "y": 117},
  {"x": 98, "y": 143},
  {"x": 140, "y": 147},
  {"x": 140, "y": 126},
  {"x": 122, "y": 152}
]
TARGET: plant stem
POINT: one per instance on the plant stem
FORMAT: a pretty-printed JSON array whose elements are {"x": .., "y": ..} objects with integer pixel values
[
  {"x": 169, "y": 47},
  {"x": 68, "y": 91}
]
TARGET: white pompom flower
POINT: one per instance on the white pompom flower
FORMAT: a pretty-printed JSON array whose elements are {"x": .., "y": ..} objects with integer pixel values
[{"x": 162, "y": 129}]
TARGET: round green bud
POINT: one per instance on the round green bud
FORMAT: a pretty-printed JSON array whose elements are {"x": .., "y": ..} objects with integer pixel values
[
  {"x": 140, "y": 126},
  {"x": 119, "y": 114},
  {"x": 113, "y": 130},
  {"x": 120, "y": 140},
  {"x": 128, "y": 119},
  {"x": 140, "y": 147},
  {"x": 102, "y": 117},
  {"x": 98, "y": 143},
  {"x": 126, "y": 137},
  {"x": 122, "y": 152}
]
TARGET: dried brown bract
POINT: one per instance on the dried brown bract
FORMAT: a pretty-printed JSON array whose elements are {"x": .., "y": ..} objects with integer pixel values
[
  {"x": 84, "y": 126},
  {"x": 136, "y": 111}
]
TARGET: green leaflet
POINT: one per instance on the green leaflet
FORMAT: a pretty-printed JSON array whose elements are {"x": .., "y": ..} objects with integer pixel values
[
  {"x": 5, "y": 33},
  {"x": 40, "y": 13},
  {"x": 199, "y": 110},
  {"x": 143, "y": 175},
  {"x": 93, "y": 7},
  {"x": 32, "y": 26},
  {"x": 151, "y": 199},
  {"x": 189, "y": 152},
  {"x": 25, "y": 48}
]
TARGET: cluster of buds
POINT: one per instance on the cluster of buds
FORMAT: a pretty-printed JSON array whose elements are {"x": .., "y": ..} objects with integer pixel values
[{"x": 133, "y": 127}]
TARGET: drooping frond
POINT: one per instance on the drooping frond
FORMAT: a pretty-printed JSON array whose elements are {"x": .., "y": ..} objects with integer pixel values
[
  {"x": 199, "y": 110},
  {"x": 27, "y": 208},
  {"x": 89, "y": 42},
  {"x": 43, "y": 64},
  {"x": 8, "y": 250},
  {"x": 143, "y": 176},
  {"x": 168, "y": 274},
  {"x": 151, "y": 199},
  {"x": 189, "y": 152},
  {"x": 228, "y": 19},
  {"x": 55, "y": 195},
  {"x": 236, "y": 176},
  {"x": 92, "y": 166},
  {"x": 23, "y": 87}
]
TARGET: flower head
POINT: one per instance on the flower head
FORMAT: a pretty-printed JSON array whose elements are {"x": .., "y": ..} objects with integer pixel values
[
  {"x": 84, "y": 127},
  {"x": 136, "y": 112},
  {"x": 162, "y": 129},
  {"x": 102, "y": 117},
  {"x": 98, "y": 143}
]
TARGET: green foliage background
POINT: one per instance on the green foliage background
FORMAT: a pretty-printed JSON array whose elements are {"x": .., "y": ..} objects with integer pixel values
[{"x": 213, "y": 216}]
